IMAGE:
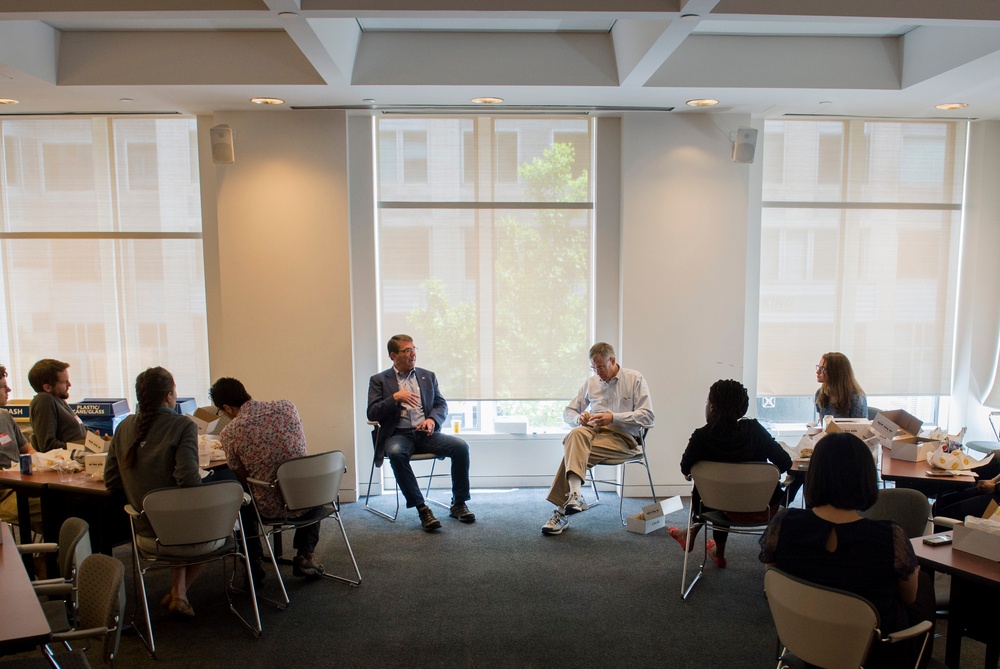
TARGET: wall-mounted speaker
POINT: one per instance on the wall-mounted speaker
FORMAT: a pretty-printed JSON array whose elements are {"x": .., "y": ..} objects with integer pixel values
[
  {"x": 744, "y": 145},
  {"x": 222, "y": 144}
]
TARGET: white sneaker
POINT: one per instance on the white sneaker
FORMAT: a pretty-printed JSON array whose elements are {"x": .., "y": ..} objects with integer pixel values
[
  {"x": 575, "y": 503},
  {"x": 557, "y": 523}
]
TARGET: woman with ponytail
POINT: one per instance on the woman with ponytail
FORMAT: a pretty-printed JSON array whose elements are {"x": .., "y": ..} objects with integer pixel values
[
  {"x": 157, "y": 448},
  {"x": 727, "y": 437}
]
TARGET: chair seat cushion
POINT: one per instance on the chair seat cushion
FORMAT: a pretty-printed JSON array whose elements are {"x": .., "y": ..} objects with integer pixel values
[
  {"x": 313, "y": 515},
  {"x": 150, "y": 551},
  {"x": 726, "y": 519}
]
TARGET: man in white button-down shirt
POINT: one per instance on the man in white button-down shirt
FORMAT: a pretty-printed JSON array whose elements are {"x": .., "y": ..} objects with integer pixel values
[{"x": 608, "y": 413}]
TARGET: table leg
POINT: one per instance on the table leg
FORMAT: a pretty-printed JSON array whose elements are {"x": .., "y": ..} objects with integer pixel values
[{"x": 24, "y": 529}]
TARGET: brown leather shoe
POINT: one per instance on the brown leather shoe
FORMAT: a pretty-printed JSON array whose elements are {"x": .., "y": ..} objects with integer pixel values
[
  {"x": 427, "y": 520},
  {"x": 461, "y": 511}
]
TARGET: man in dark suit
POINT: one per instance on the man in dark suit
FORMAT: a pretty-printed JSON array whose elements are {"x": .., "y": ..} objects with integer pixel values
[{"x": 406, "y": 402}]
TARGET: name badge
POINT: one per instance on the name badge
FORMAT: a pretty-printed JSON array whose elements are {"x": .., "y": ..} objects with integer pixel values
[{"x": 5, "y": 439}]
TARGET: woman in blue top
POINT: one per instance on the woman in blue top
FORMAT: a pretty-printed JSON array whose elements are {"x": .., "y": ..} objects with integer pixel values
[{"x": 839, "y": 395}]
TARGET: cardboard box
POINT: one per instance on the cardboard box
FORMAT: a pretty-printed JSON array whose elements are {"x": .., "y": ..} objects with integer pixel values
[
  {"x": 186, "y": 405},
  {"x": 95, "y": 443},
  {"x": 101, "y": 414},
  {"x": 976, "y": 541},
  {"x": 93, "y": 464},
  {"x": 511, "y": 424},
  {"x": 651, "y": 518},
  {"x": 205, "y": 420},
  {"x": 860, "y": 427},
  {"x": 898, "y": 431}
]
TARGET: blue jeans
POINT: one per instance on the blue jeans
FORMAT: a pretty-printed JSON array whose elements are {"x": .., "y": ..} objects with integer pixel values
[{"x": 406, "y": 443}]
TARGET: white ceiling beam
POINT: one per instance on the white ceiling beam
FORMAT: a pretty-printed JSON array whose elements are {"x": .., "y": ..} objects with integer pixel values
[
  {"x": 182, "y": 58},
  {"x": 485, "y": 59},
  {"x": 739, "y": 61},
  {"x": 917, "y": 11},
  {"x": 30, "y": 47},
  {"x": 929, "y": 51}
]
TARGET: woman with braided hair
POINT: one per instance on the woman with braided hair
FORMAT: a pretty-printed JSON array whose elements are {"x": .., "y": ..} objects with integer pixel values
[
  {"x": 157, "y": 448},
  {"x": 727, "y": 437}
]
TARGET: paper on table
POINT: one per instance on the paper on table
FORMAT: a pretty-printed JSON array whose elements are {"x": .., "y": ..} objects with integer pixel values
[{"x": 955, "y": 461}]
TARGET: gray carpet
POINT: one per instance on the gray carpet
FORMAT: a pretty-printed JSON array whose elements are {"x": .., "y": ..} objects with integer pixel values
[{"x": 493, "y": 594}]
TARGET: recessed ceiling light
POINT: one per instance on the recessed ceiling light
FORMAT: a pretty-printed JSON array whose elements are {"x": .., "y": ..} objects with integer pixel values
[
  {"x": 288, "y": 15},
  {"x": 690, "y": 17},
  {"x": 487, "y": 101},
  {"x": 8, "y": 101},
  {"x": 124, "y": 99},
  {"x": 267, "y": 101},
  {"x": 368, "y": 101},
  {"x": 949, "y": 106},
  {"x": 704, "y": 102}
]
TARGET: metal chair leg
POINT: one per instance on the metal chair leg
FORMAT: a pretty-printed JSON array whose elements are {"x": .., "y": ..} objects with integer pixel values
[
  {"x": 350, "y": 551},
  {"x": 430, "y": 480},
  {"x": 368, "y": 496},
  {"x": 687, "y": 553}
]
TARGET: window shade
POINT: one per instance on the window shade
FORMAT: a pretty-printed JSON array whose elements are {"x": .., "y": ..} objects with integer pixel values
[
  {"x": 484, "y": 234},
  {"x": 859, "y": 253},
  {"x": 101, "y": 247}
]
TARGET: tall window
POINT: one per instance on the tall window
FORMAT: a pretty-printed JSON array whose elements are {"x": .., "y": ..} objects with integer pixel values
[
  {"x": 859, "y": 254},
  {"x": 486, "y": 259},
  {"x": 101, "y": 251}
]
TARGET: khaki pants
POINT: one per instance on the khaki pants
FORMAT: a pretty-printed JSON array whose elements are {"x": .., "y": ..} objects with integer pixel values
[
  {"x": 584, "y": 447},
  {"x": 8, "y": 510}
]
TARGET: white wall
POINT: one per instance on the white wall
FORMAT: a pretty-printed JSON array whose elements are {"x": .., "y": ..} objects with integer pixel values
[
  {"x": 277, "y": 267},
  {"x": 684, "y": 245}
]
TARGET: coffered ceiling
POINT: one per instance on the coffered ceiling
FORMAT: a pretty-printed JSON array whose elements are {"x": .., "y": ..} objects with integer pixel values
[{"x": 762, "y": 57}]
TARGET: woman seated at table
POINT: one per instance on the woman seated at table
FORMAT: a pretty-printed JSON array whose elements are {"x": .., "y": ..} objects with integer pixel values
[
  {"x": 727, "y": 437},
  {"x": 831, "y": 544},
  {"x": 839, "y": 394},
  {"x": 157, "y": 448}
]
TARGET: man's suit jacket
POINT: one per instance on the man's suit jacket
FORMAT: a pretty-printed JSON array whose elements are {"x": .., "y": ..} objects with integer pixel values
[{"x": 385, "y": 410}]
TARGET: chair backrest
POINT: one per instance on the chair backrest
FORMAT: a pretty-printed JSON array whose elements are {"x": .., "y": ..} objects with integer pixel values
[
  {"x": 193, "y": 515},
  {"x": 74, "y": 546},
  {"x": 819, "y": 625},
  {"x": 743, "y": 487},
  {"x": 906, "y": 507},
  {"x": 313, "y": 480},
  {"x": 102, "y": 598}
]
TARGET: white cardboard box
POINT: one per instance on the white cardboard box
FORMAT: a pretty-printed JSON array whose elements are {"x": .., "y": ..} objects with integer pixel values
[
  {"x": 977, "y": 542},
  {"x": 511, "y": 424},
  {"x": 93, "y": 464},
  {"x": 897, "y": 430},
  {"x": 204, "y": 419},
  {"x": 651, "y": 518},
  {"x": 95, "y": 443},
  {"x": 861, "y": 427}
]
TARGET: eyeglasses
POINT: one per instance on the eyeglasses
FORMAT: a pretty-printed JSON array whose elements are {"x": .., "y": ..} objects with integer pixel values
[
  {"x": 408, "y": 351},
  {"x": 599, "y": 368},
  {"x": 820, "y": 368}
]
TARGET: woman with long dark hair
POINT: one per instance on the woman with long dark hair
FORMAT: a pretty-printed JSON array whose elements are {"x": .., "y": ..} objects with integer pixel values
[
  {"x": 157, "y": 448},
  {"x": 727, "y": 437}
]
